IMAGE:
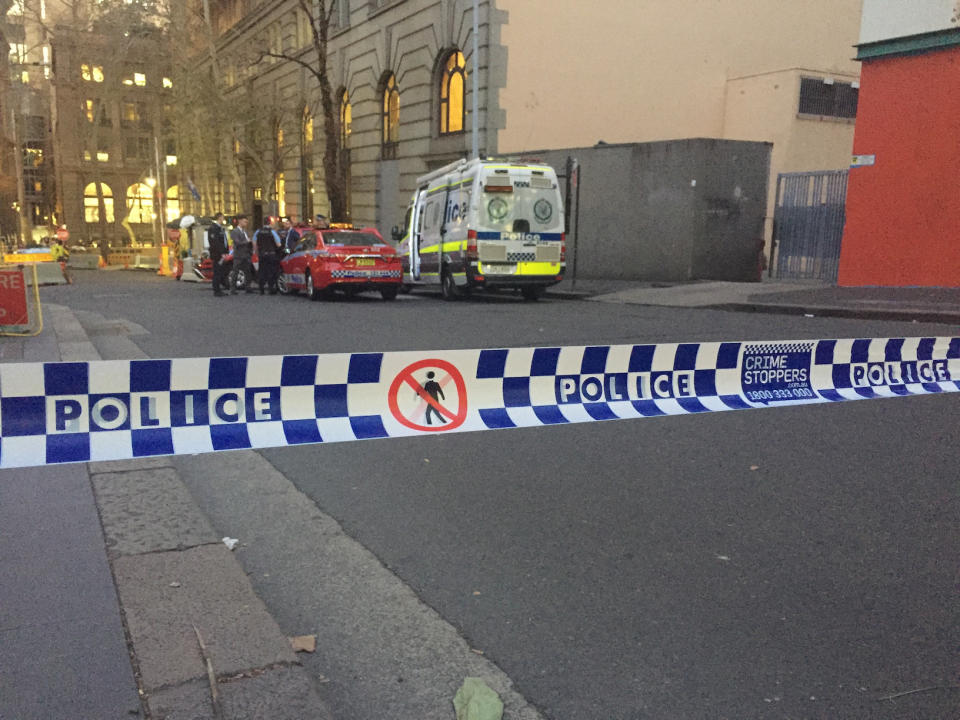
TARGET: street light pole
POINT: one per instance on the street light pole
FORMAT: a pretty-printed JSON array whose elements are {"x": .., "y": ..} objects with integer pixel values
[{"x": 476, "y": 81}]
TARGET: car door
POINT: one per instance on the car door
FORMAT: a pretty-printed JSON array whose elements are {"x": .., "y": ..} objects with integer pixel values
[{"x": 295, "y": 264}]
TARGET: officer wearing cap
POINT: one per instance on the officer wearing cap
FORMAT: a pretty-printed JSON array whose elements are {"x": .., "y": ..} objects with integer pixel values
[{"x": 268, "y": 243}]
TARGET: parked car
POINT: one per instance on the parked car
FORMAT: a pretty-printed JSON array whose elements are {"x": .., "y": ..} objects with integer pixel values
[{"x": 341, "y": 258}]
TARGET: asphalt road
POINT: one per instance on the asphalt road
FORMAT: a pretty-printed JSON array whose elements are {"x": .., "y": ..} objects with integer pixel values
[{"x": 790, "y": 563}]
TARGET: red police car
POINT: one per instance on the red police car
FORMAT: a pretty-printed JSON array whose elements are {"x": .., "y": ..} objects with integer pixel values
[{"x": 341, "y": 258}]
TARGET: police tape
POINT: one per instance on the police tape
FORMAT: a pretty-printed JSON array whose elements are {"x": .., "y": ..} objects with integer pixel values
[{"x": 108, "y": 410}]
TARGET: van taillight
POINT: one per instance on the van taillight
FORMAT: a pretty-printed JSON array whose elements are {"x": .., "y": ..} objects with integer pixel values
[
  {"x": 472, "y": 253},
  {"x": 563, "y": 247}
]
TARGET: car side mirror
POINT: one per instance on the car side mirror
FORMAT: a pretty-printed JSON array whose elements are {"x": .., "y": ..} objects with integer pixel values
[{"x": 395, "y": 233}]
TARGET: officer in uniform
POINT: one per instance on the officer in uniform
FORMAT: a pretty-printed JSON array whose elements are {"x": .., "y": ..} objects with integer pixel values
[
  {"x": 217, "y": 239},
  {"x": 269, "y": 245}
]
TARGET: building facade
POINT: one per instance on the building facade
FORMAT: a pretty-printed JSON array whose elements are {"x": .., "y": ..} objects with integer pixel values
[
  {"x": 902, "y": 210},
  {"x": 28, "y": 189},
  {"x": 402, "y": 75},
  {"x": 114, "y": 144}
]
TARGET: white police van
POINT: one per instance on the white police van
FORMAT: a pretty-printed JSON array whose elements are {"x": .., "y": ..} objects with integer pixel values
[{"x": 478, "y": 224}]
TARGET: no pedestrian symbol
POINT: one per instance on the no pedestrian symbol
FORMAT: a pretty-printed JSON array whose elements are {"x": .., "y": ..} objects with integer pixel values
[{"x": 429, "y": 395}]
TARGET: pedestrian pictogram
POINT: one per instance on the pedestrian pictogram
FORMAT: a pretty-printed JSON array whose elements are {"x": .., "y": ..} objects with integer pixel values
[{"x": 429, "y": 395}]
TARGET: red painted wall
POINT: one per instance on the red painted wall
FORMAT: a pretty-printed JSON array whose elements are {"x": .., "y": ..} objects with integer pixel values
[{"x": 903, "y": 213}]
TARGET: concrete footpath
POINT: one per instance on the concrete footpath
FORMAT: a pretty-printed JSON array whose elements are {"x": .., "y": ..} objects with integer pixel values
[{"x": 117, "y": 597}]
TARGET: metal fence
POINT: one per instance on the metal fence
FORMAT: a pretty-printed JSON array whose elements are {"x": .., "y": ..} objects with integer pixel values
[{"x": 808, "y": 224}]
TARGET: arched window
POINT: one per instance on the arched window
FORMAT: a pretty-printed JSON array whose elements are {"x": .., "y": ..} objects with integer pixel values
[
  {"x": 140, "y": 203},
  {"x": 452, "y": 84},
  {"x": 91, "y": 203},
  {"x": 346, "y": 120},
  {"x": 391, "y": 110},
  {"x": 173, "y": 203},
  {"x": 307, "y": 136},
  {"x": 306, "y": 165}
]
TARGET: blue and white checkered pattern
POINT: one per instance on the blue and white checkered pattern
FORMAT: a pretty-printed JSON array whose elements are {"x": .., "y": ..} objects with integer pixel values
[
  {"x": 81, "y": 411},
  {"x": 366, "y": 273}
]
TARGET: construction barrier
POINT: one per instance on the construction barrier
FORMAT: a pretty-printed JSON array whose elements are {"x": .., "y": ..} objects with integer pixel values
[
  {"x": 84, "y": 260},
  {"x": 20, "y": 258},
  {"x": 106, "y": 410},
  {"x": 47, "y": 273},
  {"x": 20, "y": 310},
  {"x": 135, "y": 257}
]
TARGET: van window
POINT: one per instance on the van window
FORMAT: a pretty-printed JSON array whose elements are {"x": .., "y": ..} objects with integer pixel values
[{"x": 526, "y": 209}]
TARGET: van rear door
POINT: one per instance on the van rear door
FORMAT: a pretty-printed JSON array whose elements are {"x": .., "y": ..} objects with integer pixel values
[{"x": 520, "y": 220}]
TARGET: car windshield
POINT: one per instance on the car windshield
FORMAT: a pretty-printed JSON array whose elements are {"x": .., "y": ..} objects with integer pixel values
[{"x": 351, "y": 238}]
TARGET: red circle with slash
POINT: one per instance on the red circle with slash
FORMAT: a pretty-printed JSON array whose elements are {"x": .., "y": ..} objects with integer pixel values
[{"x": 406, "y": 379}]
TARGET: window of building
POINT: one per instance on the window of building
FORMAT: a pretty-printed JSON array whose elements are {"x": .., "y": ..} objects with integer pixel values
[
  {"x": 346, "y": 119},
  {"x": 139, "y": 79},
  {"x": 341, "y": 13},
  {"x": 274, "y": 41},
  {"x": 103, "y": 156},
  {"x": 279, "y": 138},
  {"x": 258, "y": 193},
  {"x": 281, "y": 187},
  {"x": 452, "y": 84},
  {"x": 304, "y": 36},
  {"x": 140, "y": 203},
  {"x": 137, "y": 148},
  {"x": 18, "y": 53},
  {"x": 45, "y": 54},
  {"x": 131, "y": 114},
  {"x": 167, "y": 82},
  {"x": 390, "y": 116},
  {"x": 91, "y": 203},
  {"x": 828, "y": 98},
  {"x": 307, "y": 127},
  {"x": 173, "y": 203},
  {"x": 90, "y": 73}
]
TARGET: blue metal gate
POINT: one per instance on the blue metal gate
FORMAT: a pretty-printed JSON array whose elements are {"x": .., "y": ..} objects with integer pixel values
[{"x": 808, "y": 224}]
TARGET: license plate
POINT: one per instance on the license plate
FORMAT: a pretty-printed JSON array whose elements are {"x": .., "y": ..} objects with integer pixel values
[{"x": 366, "y": 261}]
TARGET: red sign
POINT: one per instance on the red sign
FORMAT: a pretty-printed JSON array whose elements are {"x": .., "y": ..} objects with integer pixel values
[
  {"x": 13, "y": 298},
  {"x": 429, "y": 395}
]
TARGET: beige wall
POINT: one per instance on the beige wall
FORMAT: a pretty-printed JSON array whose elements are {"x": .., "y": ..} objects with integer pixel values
[
  {"x": 764, "y": 107},
  {"x": 628, "y": 71}
]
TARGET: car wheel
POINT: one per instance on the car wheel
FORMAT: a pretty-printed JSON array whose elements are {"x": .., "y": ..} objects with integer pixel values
[
  {"x": 448, "y": 288},
  {"x": 282, "y": 284},
  {"x": 312, "y": 291},
  {"x": 405, "y": 288},
  {"x": 389, "y": 293},
  {"x": 531, "y": 293}
]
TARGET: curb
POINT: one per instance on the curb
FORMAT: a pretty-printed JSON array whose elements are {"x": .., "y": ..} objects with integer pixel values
[{"x": 918, "y": 315}]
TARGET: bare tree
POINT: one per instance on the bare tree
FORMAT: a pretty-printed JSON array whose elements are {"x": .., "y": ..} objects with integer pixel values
[{"x": 318, "y": 14}]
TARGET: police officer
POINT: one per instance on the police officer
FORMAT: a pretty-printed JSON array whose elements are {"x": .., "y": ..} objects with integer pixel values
[
  {"x": 217, "y": 239},
  {"x": 242, "y": 255},
  {"x": 269, "y": 246}
]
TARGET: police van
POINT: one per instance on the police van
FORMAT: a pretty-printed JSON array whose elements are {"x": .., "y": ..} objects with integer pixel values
[{"x": 478, "y": 224}]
